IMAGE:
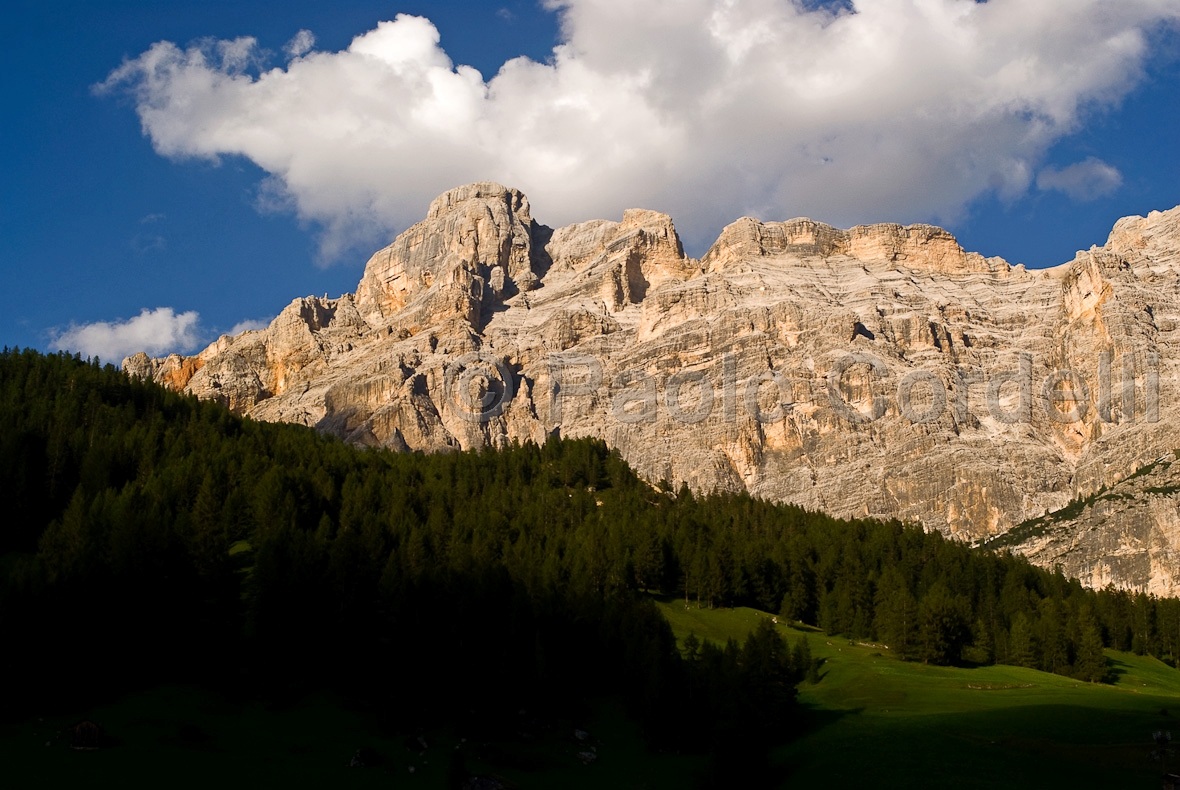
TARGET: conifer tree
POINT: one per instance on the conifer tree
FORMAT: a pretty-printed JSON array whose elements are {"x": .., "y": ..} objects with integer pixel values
[
  {"x": 942, "y": 625},
  {"x": 897, "y": 614},
  {"x": 1091, "y": 661},
  {"x": 805, "y": 665},
  {"x": 1021, "y": 646}
]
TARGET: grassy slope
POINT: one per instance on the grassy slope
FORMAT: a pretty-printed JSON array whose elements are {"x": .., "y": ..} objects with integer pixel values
[{"x": 890, "y": 724}]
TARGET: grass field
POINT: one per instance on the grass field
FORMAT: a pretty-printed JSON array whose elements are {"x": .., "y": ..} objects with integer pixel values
[{"x": 882, "y": 723}]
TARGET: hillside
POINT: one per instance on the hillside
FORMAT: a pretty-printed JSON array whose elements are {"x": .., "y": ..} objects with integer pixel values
[
  {"x": 918, "y": 726},
  {"x": 166, "y": 509},
  {"x": 156, "y": 539}
]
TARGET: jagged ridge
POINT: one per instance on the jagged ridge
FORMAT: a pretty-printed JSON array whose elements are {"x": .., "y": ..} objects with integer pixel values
[{"x": 795, "y": 298}]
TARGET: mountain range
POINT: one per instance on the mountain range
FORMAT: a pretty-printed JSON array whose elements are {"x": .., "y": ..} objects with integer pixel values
[{"x": 878, "y": 371}]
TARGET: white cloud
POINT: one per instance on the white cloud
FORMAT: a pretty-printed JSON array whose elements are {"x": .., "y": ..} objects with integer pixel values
[
  {"x": 300, "y": 45},
  {"x": 249, "y": 324},
  {"x": 158, "y": 332},
  {"x": 706, "y": 109},
  {"x": 143, "y": 243},
  {"x": 1081, "y": 181}
]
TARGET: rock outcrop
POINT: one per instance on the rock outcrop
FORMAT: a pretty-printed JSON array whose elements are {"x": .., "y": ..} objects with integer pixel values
[
  {"x": 878, "y": 371},
  {"x": 1128, "y": 535}
]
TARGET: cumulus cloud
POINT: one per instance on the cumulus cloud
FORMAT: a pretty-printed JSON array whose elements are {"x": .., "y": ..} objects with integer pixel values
[
  {"x": 706, "y": 109},
  {"x": 1082, "y": 181},
  {"x": 158, "y": 332}
]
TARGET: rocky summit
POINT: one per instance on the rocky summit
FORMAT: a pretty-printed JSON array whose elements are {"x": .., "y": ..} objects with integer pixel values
[{"x": 878, "y": 371}]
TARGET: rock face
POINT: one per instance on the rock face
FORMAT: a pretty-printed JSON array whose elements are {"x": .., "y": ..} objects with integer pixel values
[
  {"x": 1128, "y": 535},
  {"x": 475, "y": 239},
  {"x": 878, "y": 371}
]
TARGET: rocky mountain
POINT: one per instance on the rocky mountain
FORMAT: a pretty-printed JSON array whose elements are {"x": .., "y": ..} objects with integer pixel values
[{"x": 880, "y": 370}]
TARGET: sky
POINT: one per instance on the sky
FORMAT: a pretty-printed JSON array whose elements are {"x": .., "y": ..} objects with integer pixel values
[{"x": 175, "y": 171}]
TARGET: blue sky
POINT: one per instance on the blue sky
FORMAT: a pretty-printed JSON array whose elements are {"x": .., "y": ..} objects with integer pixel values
[{"x": 1028, "y": 145}]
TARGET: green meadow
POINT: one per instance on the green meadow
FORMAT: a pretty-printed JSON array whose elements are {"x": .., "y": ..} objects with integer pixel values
[{"x": 883, "y": 723}]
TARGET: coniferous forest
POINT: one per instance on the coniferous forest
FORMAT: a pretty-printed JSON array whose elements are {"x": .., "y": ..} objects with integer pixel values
[{"x": 151, "y": 537}]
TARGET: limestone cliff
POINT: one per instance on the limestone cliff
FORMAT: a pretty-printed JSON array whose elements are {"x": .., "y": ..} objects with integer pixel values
[
  {"x": 880, "y": 371},
  {"x": 1128, "y": 535}
]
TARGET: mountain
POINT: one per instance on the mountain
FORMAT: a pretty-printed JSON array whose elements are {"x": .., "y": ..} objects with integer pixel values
[{"x": 877, "y": 371}]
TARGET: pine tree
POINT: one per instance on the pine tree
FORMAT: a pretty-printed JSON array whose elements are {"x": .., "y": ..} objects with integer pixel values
[
  {"x": 1091, "y": 663},
  {"x": 787, "y": 608},
  {"x": 692, "y": 649},
  {"x": 649, "y": 561},
  {"x": 767, "y": 680},
  {"x": 829, "y": 613},
  {"x": 208, "y": 544},
  {"x": 1091, "y": 660},
  {"x": 896, "y": 614},
  {"x": 1021, "y": 647},
  {"x": 1052, "y": 638},
  {"x": 804, "y": 665},
  {"x": 1144, "y": 619},
  {"x": 942, "y": 625},
  {"x": 985, "y": 651}
]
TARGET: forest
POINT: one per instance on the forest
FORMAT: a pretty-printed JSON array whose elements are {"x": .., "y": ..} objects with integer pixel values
[{"x": 153, "y": 537}]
